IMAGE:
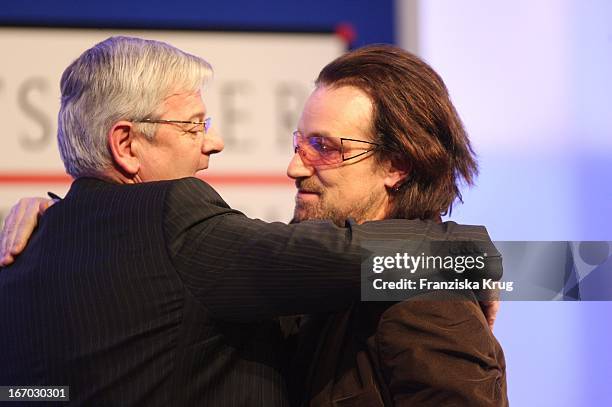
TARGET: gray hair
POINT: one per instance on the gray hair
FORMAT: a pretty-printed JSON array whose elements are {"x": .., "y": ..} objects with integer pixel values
[{"x": 120, "y": 78}]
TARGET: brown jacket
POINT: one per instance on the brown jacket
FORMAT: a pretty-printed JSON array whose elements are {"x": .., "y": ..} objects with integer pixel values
[{"x": 434, "y": 352}]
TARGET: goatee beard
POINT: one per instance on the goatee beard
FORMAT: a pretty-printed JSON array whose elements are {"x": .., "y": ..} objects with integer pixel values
[{"x": 361, "y": 211}]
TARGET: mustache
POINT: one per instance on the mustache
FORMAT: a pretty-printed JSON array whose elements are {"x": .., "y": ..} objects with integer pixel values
[{"x": 308, "y": 185}]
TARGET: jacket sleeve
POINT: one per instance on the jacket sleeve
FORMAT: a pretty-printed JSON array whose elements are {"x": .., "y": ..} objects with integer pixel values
[
  {"x": 247, "y": 269},
  {"x": 440, "y": 352}
]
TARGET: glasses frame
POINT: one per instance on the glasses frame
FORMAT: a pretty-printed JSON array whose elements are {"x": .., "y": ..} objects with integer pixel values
[
  {"x": 376, "y": 145},
  {"x": 207, "y": 123},
  {"x": 296, "y": 147}
]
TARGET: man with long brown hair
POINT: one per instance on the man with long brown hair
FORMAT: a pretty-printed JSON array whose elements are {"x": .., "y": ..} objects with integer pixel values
[{"x": 379, "y": 138}]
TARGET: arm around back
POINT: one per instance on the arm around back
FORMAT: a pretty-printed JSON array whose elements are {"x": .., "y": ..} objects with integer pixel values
[{"x": 247, "y": 269}]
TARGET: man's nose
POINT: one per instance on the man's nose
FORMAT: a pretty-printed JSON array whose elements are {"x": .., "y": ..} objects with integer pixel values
[
  {"x": 213, "y": 143},
  {"x": 298, "y": 169}
]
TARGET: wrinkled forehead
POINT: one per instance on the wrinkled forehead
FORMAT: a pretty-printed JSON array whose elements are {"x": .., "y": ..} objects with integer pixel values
[
  {"x": 344, "y": 111},
  {"x": 184, "y": 104}
]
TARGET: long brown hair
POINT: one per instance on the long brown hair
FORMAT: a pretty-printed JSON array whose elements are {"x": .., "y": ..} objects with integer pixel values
[{"x": 415, "y": 122}]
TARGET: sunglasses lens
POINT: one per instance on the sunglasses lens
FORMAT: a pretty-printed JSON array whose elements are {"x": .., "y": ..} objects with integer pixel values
[{"x": 318, "y": 150}]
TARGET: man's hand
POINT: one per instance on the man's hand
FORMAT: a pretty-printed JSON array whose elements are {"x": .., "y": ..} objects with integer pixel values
[
  {"x": 19, "y": 226},
  {"x": 489, "y": 304},
  {"x": 490, "y": 310}
]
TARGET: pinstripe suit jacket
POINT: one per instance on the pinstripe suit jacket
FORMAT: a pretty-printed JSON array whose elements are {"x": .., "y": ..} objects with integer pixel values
[{"x": 160, "y": 294}]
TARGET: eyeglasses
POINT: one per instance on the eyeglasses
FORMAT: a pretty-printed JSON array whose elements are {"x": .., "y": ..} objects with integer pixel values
[
  {"x": 326, "y": 150},
  {"x": 198, "y": 127}
]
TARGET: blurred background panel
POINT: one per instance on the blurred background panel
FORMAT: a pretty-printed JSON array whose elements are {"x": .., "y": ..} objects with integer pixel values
[
  {"x": 531, "y": 81},
  {"x": 255, "y": 99}
]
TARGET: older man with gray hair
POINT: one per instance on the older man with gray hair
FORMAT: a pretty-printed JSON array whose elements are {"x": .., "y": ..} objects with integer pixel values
[{"x": 142, "y": 286}]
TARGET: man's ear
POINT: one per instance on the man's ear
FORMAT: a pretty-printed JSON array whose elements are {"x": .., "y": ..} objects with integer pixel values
[
  {"x": 121, "y": 143},
  {"x": 396, "y": 173}
]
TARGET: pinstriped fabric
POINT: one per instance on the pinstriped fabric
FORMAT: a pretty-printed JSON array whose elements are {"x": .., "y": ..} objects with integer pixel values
[
  {"x": 159, "y": 294},
  {"x": 91, "y": 294},
  {"x": 274, "y": 268}
]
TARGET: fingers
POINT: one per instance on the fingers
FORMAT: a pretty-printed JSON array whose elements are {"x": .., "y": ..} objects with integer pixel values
[
  {"x": 44, "y": 205},
  {"x": 6, "y": 260},
  {"x": 26, "y": 222},
  {"x": 492, "y": 308},
  {"x": 25, "y": 208},
  {"x": 5, "y": 237},
  {"x": 19, "y": 226}
]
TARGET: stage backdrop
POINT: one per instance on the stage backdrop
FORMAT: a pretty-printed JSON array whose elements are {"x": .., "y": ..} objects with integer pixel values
[
  {"x": 531, "y": 81},
  {"x": 260, "y": 84}
]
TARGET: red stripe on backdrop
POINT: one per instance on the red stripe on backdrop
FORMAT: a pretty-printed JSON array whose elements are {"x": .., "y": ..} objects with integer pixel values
[
  {"x": 248, "y": 179},
  {"x": 31, "y": 178},
  {"x": 221, "y": 179}
]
